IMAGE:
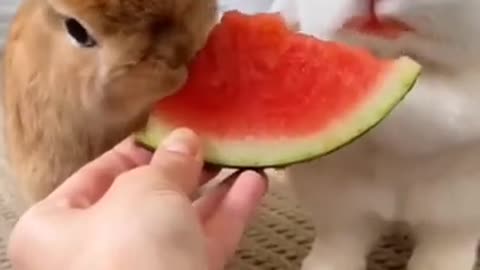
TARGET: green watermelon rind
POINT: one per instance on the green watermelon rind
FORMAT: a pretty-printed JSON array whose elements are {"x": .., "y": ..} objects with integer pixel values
[{"x": 278, "y": 152}]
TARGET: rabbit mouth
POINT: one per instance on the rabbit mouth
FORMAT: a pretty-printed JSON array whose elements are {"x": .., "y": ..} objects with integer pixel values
[
  {"x": 388, "y": 28},
  {"x": 373, "y": 24}
]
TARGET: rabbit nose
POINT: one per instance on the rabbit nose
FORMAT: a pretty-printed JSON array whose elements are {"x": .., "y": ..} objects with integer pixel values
[{"x": 371, "y": 9}]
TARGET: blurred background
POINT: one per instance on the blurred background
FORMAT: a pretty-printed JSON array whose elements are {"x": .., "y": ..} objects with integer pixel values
[
  {"x": 7, "y": 10},
  {"x": 247, "y": 6}
]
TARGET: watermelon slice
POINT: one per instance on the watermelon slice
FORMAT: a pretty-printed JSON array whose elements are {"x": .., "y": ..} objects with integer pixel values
[{"x": 261, "y": 95}]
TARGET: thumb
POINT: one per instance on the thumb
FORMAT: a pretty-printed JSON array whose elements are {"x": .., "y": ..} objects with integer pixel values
[{"x": 176, "y": 166}]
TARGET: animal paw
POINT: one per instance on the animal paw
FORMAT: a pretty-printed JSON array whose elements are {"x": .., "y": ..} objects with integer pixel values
[
  {"x": 317, "y": 262},
  {"x": 444, "y": 250},
  {"x": 442, "y": 262}
]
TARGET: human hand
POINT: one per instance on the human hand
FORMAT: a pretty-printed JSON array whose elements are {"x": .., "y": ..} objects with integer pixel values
[{"x": 130, "y": 209}]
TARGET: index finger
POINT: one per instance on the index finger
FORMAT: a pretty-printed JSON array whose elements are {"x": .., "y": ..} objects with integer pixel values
[
  {"x": 89, "y": 183},
  {"x": 226, "y": 224}
]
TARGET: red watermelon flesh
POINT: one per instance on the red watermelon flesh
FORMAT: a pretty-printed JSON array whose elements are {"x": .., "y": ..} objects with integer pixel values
[{"x": 260, "y": 94}]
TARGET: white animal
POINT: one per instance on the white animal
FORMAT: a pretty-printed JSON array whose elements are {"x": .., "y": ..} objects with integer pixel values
[{"x": 420, "y": 166}]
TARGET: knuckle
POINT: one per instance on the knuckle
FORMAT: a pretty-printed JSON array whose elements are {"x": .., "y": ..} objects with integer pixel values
[
  {"x": 169, "y": 171},
  {"x": 150, "y": 178},
  {"x": 173, "y": 164},
  {"x": 133, "y": 175}
]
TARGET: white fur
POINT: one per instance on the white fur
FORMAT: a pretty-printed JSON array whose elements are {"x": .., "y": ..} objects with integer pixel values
[{"x": 420, "y": 166}]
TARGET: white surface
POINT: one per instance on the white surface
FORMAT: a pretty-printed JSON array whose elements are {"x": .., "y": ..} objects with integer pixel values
[
  {"x": 7, "y": 10},
  {"x": 247, "y": 6}
]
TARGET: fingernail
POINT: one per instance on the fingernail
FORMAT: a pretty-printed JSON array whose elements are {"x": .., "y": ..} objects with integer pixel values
[{"x": 181, "y": 141}]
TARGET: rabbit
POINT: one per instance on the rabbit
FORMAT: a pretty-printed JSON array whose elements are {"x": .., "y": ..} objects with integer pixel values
[
  {"x": 420, "y": 166},
  {"x": 80, "y": 76}
]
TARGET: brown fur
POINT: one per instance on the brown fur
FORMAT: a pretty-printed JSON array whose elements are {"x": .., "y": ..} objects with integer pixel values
[{"x": 65, "y": 105}]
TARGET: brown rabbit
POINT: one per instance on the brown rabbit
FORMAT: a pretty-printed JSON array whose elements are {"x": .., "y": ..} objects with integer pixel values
[{"x": 81, "y": 75}]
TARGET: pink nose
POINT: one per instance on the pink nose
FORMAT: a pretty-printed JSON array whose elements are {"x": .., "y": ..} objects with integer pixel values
[{"x": 371, "y": 9}]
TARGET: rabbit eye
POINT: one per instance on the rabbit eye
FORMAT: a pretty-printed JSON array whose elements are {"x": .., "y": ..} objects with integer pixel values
[{"x": 79, "y": 34}]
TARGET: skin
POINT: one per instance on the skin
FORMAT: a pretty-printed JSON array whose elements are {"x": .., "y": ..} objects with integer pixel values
[{"x": 87, "y": 222}]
